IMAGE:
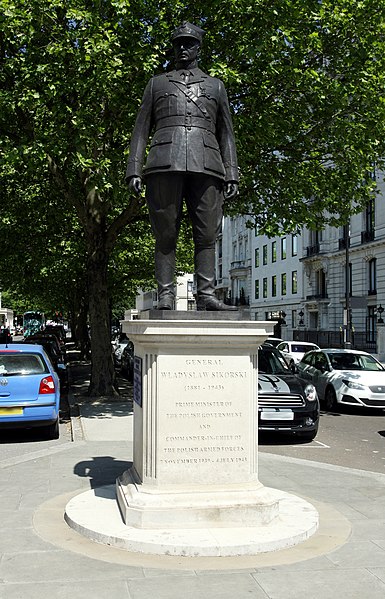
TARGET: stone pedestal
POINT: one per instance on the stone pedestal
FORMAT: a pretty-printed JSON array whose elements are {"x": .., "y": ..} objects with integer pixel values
[
  {"x": 193, "y": 488},
  {"x": 195, "y": 426}
]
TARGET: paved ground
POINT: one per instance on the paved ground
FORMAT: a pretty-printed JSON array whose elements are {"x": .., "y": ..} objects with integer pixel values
[{"x": 41, "y": 557}]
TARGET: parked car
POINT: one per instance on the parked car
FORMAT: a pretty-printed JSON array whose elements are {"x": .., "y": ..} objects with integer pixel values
[
  {"x": 58, "y": 330},
  {"x": 127, "y": 361},
  {"x": 274, "y": 341},
  {"x": 285, "y": 404},
  {"x": 118, "y": 346},
  {"x": 294, "y": 351},
  {"x": 55, "y": 355},
  {"x": 343, "y": 376},
  {"x": 29, "y": 389},
  {"x": 42, "y": 337}
]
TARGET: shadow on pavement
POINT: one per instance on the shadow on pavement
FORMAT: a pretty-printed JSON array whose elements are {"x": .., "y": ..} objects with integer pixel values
[{"x": 101, "y": 470}]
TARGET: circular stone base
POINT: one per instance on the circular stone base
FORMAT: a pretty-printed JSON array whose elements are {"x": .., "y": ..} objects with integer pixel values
[{"x": 95, "y": 514}]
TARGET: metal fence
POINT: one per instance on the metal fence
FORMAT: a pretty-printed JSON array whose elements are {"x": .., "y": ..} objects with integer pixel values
[{"x": 325, "y": 339}]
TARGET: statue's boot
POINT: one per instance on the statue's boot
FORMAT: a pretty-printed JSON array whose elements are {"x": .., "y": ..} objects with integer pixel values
[
  {"x": 164, "y": 274},
  {"x": 205, "y": 273}
]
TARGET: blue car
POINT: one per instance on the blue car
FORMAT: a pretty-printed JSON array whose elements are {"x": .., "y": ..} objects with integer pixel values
[{"x": 29, "y": 389}]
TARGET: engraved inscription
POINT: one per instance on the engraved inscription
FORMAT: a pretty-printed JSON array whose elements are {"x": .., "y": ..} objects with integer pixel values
[{"x": 205, "y": 411}]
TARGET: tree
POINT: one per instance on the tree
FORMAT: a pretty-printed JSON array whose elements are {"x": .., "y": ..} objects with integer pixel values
[{"x": 305, "y": 79}]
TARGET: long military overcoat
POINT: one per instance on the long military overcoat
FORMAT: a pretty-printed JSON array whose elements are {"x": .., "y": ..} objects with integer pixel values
[{"x": 192, "y": 126}]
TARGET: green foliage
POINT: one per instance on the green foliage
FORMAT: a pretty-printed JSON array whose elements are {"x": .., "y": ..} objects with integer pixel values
[{"x": 305, "y": 80}]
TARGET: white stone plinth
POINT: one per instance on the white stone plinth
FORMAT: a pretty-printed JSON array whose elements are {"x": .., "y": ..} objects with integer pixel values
[
  {"x": 95, "y": 515},
  {"x": 193, "y": 488},
  {"x": 195, "y": 426}
]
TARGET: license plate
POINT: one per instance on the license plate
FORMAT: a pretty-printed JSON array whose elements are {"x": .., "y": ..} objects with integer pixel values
[
  {"x": 280, "y": 415},
  {"x": 11, "y": 411}
]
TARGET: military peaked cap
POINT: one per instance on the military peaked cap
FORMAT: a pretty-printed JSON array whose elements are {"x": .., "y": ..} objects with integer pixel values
[{"x": 188, "y": 30}]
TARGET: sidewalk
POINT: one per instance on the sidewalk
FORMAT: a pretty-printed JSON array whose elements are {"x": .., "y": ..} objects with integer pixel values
[{"x": 41, "y": 557}]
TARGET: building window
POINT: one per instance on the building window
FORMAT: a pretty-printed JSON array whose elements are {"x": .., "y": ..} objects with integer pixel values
[
  {"x": 274, "y": 285},
  {"x": 370, "y": 216},
  {"x": 265, "y": 254},
  {"x": 283, "y": 248},
  {"x": 219, "y": 246},
  {"x": 256, "y": 289},
  {"x": 256, "y": 257},
  {"x": 294, "y": 282},
  {"x": 294, "y": 319},
  {"x": 234, "y": 252},
  {"x": 283, "y": 283},
  {"x": 371, "y": 325},
  {"x": 265, "y": 287},
  {"x": 320, "y": 283},
  {"x": 274, "y": 251},
  {"x": 294, "y": 245},
  {"x": 372, "y": 276}
]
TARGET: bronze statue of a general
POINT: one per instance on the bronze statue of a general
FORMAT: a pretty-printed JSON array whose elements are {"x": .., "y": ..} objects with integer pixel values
[{"x": 192, "y": 157}]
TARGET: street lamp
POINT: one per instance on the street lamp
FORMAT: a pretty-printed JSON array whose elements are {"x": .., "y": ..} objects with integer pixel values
[
  {"x": 379, "y": 311},
  {"x": 348, "y": 318},
  {"x": 301, "y": 314}
]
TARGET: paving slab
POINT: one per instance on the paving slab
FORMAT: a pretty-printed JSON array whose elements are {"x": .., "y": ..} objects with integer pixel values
[{"x": 42, "y": 558}]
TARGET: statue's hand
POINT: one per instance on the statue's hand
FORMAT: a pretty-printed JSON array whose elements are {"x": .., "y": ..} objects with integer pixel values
[
  {"x": 230, "y": 190},
  {"x": 135, "y": 185}
]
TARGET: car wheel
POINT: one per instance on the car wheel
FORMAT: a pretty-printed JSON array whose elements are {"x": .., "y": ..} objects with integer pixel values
[
  {"x": 330, "y": 399},
  {"x": 52, "y": 431}
]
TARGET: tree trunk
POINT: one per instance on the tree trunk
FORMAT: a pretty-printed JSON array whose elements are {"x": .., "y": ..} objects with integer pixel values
[
  {"x": 82, "y": 337},
  {"x": 102, "y": 366}
]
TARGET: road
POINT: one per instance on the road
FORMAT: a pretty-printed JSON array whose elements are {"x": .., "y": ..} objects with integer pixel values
[{"x": 351, "y": 437}]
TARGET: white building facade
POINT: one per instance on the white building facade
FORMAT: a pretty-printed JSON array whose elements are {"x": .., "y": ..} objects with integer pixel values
[{"x": 300, "y": 280}]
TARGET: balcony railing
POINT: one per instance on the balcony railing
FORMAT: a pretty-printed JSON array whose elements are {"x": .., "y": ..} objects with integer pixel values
[
  {"x": 236, "y": 264},
  {"x": 342, "y": 243},
  {"x": 367, "y": 236},
  {"x": 317, "y": 296},
  {"x": 312, "y": 250}
]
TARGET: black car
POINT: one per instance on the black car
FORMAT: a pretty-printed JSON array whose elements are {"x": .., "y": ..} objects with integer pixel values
[
  {"x": 54, "y": 354},
  {"x": 285, "y": 404}
]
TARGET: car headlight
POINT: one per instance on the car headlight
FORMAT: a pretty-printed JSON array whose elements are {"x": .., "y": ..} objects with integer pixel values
[
  {"x": 310, "y": 393},
  {"x": 353, "y": 385}
]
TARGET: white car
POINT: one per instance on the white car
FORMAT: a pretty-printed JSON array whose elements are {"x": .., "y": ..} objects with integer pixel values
[
  {"x": 118, "y": 345},
  {"x": 294, "y": 351},
  {"x": 343, "y": 376},
  {"x": 274, "y": 341}
]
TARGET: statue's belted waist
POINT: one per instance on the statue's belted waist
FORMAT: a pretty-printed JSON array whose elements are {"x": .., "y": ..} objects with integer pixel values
[{"x": 187, "y": 121}]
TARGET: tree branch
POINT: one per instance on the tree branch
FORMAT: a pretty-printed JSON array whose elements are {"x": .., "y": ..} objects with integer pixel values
[{"x": 122, "y": 221}]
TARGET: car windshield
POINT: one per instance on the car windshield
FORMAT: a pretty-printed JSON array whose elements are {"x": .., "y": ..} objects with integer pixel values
[
  {"x": 354, "y": 362},
  {"x": 302, "y": 349},
  {"x": 271, "y": 362},
  {"x": 13, "y": 364}
]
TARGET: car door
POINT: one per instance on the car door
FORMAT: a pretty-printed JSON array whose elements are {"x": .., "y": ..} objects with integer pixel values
[
  {"x": 321, "y": 372},
  {"x": 305, "y": 367},
  {"x": 284, "y": 348}
]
